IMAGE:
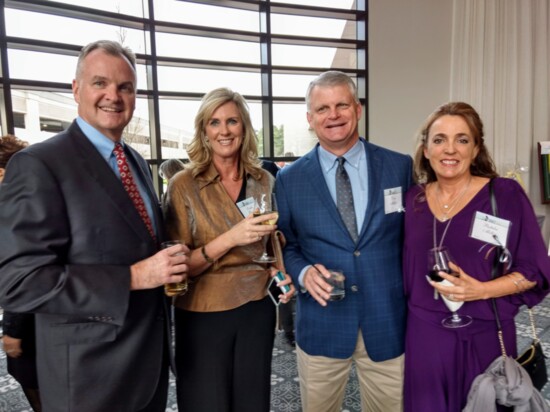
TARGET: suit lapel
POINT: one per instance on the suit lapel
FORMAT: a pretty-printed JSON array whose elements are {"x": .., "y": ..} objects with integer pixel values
[
  {"x": 106, "y": 179},
  {"x": 374, "y": 176}
]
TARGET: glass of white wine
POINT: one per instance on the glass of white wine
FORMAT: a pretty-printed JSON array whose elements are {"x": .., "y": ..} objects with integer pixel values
[{"x": 264, "y": 207}]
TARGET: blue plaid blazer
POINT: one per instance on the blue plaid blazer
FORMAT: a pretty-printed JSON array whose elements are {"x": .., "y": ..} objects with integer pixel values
[{"x": 315, "y": 233}]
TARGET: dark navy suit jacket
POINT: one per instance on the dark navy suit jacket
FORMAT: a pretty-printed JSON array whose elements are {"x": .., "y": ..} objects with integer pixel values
[
  {"x": 68, "y": 235},
  {"x": 315, "y": 233}
]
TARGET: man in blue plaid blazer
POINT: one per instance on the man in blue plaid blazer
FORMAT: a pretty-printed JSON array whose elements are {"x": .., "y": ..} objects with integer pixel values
[{"x": 368, "y": 325}]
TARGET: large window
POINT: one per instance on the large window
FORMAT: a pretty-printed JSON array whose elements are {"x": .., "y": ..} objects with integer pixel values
[{"x": 266, "y": 51}]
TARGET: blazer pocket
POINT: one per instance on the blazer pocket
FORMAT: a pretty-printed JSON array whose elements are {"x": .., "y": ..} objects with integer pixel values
[{"x": 81, "y": 333}]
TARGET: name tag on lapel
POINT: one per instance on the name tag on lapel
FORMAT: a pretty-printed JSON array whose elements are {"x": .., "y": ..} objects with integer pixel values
[
  {"x": 246, "y": 206},
  {"x": 393, "y": 200},
  {"x": 490, "y": 229}
]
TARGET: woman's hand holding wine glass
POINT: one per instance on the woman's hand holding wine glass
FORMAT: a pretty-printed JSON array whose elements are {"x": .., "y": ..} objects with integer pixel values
[{"x": 440, "y": 263}]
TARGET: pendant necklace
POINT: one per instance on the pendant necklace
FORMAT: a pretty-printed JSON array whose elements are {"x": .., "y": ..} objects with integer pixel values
[{"x": 446, "y": 209}]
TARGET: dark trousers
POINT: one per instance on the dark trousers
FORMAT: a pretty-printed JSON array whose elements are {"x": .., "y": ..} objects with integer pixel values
[
  {"x": 160, "y": 398},
  {"x": 223, "y": 359}
]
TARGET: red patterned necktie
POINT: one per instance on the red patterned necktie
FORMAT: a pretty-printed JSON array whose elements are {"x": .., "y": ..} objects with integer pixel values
[{"x": 131, "y": 188}]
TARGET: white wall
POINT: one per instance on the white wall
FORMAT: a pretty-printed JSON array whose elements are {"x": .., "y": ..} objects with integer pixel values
[{"x": 409, "y": 67}]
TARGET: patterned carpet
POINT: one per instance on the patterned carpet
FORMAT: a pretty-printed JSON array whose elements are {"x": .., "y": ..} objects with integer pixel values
[{"x": 285, "y": 393}]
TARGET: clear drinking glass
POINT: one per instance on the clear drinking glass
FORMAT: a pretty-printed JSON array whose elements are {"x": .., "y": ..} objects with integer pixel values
[
  {"x": 261, "y": 207},
  {"x": 179, "y": 288},
  {"x": 438, "y": 261}
]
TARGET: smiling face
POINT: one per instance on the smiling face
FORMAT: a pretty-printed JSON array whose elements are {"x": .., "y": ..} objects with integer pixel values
[
  {"x": 450, "y": 147},
  {"x": 224, "y": 131},
  {"x": 105, "y": 93},
  {"x": 333, "y": 115}
]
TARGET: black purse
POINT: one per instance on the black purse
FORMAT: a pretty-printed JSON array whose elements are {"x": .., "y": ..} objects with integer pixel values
[{"x": 533, "y": 359}]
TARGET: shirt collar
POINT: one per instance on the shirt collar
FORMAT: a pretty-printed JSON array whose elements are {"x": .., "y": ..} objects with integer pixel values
[
  {"x": 102, "y": 143},
  {"x": 352, "y": 156}
]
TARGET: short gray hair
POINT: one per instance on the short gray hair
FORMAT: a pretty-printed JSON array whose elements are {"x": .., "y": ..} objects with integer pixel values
[
  {"x": 110, "y": 47},
  {"x": 331, "y": 78}
]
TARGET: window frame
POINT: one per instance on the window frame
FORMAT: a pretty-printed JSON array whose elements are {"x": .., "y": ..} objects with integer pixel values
[{"x": 152, "y": 61}]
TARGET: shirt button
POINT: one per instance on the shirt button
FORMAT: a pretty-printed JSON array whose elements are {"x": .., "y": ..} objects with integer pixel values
[
  {"x": 356, "y": 253},
  {"x": 354, "y": 288}
]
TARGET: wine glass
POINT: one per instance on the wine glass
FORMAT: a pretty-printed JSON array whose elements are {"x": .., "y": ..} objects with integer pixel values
[
  {"x": 438, "y": 261},
  {"x": 263, "y": 207}
]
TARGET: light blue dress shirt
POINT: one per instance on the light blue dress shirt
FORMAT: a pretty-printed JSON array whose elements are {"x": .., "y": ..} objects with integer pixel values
[
  {"x": 356, "y": 167},
  {"x": 105, "y": 147}
]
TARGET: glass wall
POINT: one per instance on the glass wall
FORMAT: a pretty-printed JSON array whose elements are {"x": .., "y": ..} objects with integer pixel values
[{"x": 266, "y": 51}]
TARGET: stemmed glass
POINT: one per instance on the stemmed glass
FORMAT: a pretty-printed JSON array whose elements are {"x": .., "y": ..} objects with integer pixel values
[
  {"x": 438, "y": 261},
  {"x": 262, "y": 207}
]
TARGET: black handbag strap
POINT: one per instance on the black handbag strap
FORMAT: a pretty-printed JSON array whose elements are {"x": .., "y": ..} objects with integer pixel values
[
  {"x": 494, "y": 274},
  {"x": 494, "y": 270}
]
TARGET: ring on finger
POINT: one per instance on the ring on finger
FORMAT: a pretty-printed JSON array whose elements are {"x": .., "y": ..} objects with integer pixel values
[{"x": 451, "y": 296}]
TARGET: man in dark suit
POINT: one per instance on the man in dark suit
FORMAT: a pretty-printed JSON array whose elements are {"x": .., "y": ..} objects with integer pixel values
[
  {"x": 75, "y": 250},
  {"x": 368, "y": 325}
]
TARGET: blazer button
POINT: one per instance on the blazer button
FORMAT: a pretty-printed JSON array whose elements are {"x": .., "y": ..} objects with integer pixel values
[
  {"x": 357, "y": 253},
  {"x": 354, "y": 288}
]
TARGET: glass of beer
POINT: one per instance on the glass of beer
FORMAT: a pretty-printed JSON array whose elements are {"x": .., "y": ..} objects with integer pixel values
[{"x": 179, "y": 288}]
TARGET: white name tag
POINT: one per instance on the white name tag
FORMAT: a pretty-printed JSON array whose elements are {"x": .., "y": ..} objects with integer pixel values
[
  {"x": 393, "y": 200},
  {"x": 490, "y": 229},
  {"x": 246, "y": 206}
]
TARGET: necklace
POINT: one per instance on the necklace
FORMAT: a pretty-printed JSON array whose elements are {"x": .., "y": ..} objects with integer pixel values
[
  {"x": 446, "y": 209},
  {"x": 444, "y": 232}
]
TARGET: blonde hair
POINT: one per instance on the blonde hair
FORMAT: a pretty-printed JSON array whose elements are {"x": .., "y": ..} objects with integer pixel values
[{"x": 200, "y": 151}]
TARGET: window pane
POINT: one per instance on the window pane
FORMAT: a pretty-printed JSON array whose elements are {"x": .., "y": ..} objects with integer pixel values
[
  {"x": 58, "y": 108},
  {"x": 177, "y": 126},
  {"x": 304, "y": 56},
  {"x": 291, "y": 85},
  {"x": 47, "y": 27},
  {"x": 203, "y": 80},
  {"x": 203, "y": 48},
  {"x": 312, "y": 26},
  {"x": 138, "y": 134},
  {"x": 136, "y": 8},
  {"x": 19, "y": 120},
  {"x": 340, "y": 4},
  {"x": 297, "y": 138},
  {"x": 50, "y": 67},
  {"x": 206, "y": 15}
]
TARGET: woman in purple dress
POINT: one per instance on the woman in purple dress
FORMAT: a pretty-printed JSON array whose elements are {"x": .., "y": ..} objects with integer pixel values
[{"x": 448, "y": 208}]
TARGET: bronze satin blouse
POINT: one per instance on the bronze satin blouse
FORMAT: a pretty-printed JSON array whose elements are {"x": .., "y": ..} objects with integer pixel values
[{"x": 198, "y": 210}]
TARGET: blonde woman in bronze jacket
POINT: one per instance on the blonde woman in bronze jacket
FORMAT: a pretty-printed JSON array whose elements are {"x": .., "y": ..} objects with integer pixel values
[{"x": 225, "y": 322}]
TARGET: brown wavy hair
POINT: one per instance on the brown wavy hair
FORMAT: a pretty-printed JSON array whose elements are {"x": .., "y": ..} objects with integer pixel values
[
  {"x": 482, "y": 165},
  {"x": 200, "y": 151},
  {"x": 9, "y": 145}
]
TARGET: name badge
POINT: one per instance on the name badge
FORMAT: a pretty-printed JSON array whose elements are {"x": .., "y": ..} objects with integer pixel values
[
  {"x": 246, "y": 206},
  {"x": 490, "y": 229},
  {"x": 393, "y": 200}
]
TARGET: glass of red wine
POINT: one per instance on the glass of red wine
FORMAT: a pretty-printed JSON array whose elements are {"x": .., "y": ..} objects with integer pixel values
[{"x": 438, "y": 261}]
